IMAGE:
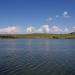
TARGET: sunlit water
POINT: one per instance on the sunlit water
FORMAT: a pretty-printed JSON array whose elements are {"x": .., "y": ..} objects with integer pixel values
[{"x": 37, "y": 57}]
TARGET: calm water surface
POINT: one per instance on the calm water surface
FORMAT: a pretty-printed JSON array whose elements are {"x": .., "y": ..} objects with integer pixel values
[{"x": 37, "y": 57}]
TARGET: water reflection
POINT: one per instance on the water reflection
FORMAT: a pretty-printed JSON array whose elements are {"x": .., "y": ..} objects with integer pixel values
[{"x": 37, "y": 57}]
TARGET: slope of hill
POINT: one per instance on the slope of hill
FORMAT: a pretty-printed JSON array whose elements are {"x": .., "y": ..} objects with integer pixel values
[
  {"x": 72, "y": 33},
  {"x": 39, "y": 36}
]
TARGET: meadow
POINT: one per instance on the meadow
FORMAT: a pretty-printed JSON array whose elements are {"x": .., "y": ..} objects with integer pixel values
[{"x": 39, "y": 36}]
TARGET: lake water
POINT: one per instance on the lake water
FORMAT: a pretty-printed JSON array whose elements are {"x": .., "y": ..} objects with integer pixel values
[{"x": 37, "y": 57}]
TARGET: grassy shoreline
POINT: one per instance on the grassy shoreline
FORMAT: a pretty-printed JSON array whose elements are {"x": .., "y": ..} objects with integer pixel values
[{"x": 38, "y": 36}]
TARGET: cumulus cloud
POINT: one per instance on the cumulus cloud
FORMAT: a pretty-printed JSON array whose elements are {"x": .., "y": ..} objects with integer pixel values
[
  {"x": 46, "y": 29},
  {"x": 30, "y": 29},
  {"x": 73, "y": 29},
  {"x": 55, "y": 29},
  {"x": 66, "y": 30},
  {"x": 9, "y": 30},
  {"x": 43, "y": 29},
  {"x": 66, "y": 14}
]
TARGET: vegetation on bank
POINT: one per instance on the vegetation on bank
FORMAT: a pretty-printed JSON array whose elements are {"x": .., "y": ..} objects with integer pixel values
[{"x": 39, "y": 36}]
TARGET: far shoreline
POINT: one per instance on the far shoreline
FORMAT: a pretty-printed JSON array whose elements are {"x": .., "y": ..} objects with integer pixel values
[{"x": 38, "y": 36}]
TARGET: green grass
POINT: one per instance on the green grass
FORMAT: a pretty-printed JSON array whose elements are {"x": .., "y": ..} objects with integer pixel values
[{"x": 39, "y": 36}]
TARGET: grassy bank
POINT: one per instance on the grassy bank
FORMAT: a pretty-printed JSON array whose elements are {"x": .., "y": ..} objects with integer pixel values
[{"x": 31, "y": 36}]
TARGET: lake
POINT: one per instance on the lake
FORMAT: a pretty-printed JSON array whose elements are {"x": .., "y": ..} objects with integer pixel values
[{"x": 37, "y": 57}]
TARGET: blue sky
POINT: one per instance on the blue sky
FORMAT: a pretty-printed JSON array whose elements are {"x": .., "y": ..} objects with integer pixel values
[{"x": 24, "y": 13}]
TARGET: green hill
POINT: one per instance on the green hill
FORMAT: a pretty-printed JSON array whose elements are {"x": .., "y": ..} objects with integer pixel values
[
  {"x": 72, "y": 33},
  {"x": 39, "y": 36}
]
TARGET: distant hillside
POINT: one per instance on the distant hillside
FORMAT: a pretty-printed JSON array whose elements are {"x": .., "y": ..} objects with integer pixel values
[
  {"x": 38, "y": 36},
  {"x": 72, "y": 33}
]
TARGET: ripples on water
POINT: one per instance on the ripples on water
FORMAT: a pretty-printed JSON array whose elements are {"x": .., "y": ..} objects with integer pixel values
[{"x": 37, "y": 57}]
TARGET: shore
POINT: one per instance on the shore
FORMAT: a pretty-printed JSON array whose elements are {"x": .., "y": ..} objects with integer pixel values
[{"x": 38, "y": 36}]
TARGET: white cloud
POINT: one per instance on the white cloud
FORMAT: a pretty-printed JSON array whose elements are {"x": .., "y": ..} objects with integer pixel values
[
  {"x": 56, "y": 29},
  {"x": 30, "y": 29},
  {"x": 73, "y": 29},
  {"x": 66, "y": 30},
  {"x": 52, "y": 30},
  {"x": 43, "y": 29},
  {"x": 39, "y": 30},
  {"x": 9, "y": 30},
  {"x": 66, "y": 14}
]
